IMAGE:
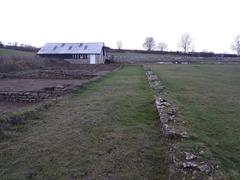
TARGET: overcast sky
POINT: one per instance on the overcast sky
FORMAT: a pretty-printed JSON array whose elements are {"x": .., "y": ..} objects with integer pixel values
[{"x": 213, "y": 24}]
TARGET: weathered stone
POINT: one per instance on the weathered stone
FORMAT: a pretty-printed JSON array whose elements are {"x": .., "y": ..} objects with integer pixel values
[
  {"x": 158, "y": 103},
  {"x": 154, "y": 85},
  {"x": 25, "y": 97},
  {"x": 171, "y": 112},
  {"x": 184, "y": 134},
  {"x": 171, "y": 118},
  {"x": 191, "y": 165},
  {"x": 172, "y": 132},
  {"x": 59, "y": 87},
  {"x": 164, "y": 118},
  {"x": 166, "y": 104},
  {"x": 204, "y": 168},
  {"x": 201, "y": 152},
  {"x": 167, "y": 114},
  {"x": 190, "y": 156},
  {"x": 152, "y": 78}
]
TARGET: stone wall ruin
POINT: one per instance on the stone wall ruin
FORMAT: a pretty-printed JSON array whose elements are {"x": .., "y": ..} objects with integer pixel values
[{"x": 185, "y": 163}]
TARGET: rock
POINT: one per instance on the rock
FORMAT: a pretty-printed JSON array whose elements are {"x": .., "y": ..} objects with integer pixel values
[
  {"x": 164, "y": 118},
  {"x": 157, "y": 102},
  {"x": 191, "y": 165},
  {"x": 166, "y": 104},
  {"x": 184, "y": 134},
  {"x": 190, "y": 156},
  {"x": 161, "y": 87},
  {"x": 59, "y": 87},
  {"x": 204, "y": 168},
  {"x": 155, "y": 85},
  {"x": 171, "y": 112},
  {"x": 149, "y": 72},
  {"x": 201, "y": 152},
  {"x": 171, "y": 118},
  {"x": 153, "y": 78},
  {"x": 172, "y": 132},
  {"x": 194, "y": 172}
]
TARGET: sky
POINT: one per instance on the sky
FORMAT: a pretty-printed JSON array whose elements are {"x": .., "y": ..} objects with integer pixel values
[{"x": 213, "y": 24}]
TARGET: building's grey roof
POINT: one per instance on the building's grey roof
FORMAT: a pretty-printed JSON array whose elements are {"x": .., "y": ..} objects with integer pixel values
[{"x": 72, "y": 48}]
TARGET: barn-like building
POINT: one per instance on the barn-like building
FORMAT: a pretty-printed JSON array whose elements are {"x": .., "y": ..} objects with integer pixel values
[{"x": 76, "y": 53}]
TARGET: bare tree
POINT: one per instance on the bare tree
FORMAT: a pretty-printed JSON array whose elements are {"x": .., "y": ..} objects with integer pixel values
[
  {"x": 119, "y": 44},
  {"x": 15, "y": 44},
  {"x": 149, "y": 43},
  {"x": 1, "y": 44},
  {"x": 162, "y": 46},
  {"x": 186, "y": 43},
  {"x": 236, "y": 45}
]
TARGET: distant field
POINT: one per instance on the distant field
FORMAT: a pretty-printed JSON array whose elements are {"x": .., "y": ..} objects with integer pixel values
[
  {"x": 10, "y": 52},
  {"x": 208, "y": 97},
  {"x": 133, "y": 57}
]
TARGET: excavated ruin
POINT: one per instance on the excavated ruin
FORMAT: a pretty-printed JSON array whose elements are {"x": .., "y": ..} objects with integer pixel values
[{"x": 185, "y": 163}]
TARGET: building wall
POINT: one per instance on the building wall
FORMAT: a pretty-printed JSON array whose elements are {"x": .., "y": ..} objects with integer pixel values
[
  {"x": 100, "y": 59},
  {"x": 76, "y": 58},
  {"x": 78, "y": 61}
]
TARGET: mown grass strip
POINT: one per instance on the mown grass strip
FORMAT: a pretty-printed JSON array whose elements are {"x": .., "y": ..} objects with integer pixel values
[
  {"x": 106, "y": 130},
  {"x": 208, "y": 99}
]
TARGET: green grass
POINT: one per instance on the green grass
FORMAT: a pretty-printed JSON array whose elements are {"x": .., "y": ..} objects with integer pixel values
[
  {"x": 107, "y": 130},
  {"x": 11, "y": 52},
  {"x": 208, "y": 97}
]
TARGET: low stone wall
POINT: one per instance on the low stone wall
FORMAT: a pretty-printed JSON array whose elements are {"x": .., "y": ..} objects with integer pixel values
[
  {"x": 47, "y": 74},
  {"x": 186, "y": 162},
  {"x": 25, "y": 97},
  {"x": 32, "y": 96},
  {"x": 167, "y": 112}
]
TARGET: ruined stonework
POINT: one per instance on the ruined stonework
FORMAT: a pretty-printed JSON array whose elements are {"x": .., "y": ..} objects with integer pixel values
[
  {"x": 48, "y": 74},
  {"x": 185, "y": 162},
  {"x": 32, "y": 96}
]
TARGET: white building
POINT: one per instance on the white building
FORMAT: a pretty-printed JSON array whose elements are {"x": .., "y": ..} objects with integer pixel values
[{"x": 77, "y": 53}]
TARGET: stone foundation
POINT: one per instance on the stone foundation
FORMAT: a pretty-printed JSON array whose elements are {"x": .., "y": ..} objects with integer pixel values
[
  {"x": 47, "y": 74},
  {"x": 32, "y": 96},
  {"x": 186, "y": 163}
]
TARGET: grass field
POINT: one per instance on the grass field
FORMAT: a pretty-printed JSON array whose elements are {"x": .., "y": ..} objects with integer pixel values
[
  {"x": 11, "y": 52},
  {"x": 208, "y": 97},
  {"x": 107, "y": 130}
]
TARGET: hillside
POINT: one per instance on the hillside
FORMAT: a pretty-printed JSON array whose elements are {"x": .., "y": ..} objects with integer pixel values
[{"x": 11, "y": 52}]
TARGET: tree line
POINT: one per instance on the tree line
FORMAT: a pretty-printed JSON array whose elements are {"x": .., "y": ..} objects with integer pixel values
[
  {"x": 21, "y": 47},
  {"x": 186, "y": 44}
]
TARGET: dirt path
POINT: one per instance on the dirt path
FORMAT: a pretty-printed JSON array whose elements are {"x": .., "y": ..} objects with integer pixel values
[{"x": 106, "y": 131}]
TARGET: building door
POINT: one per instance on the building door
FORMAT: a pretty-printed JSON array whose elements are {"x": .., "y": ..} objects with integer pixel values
[{"x": 92, "y": 59}]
